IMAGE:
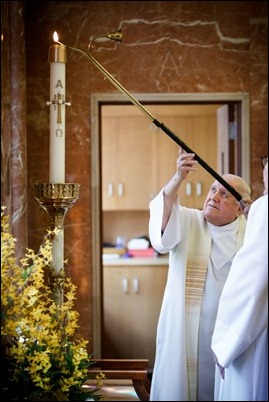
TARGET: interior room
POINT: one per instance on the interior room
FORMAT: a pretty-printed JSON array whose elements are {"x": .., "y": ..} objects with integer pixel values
[{"x": 198, "y": 68}]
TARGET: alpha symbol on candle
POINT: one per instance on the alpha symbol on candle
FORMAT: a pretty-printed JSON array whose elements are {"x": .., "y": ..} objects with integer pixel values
[{"x": 59, "y": 84}]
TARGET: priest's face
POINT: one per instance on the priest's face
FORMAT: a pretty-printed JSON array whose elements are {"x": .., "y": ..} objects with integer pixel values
[{"x": 220, "y": 207}]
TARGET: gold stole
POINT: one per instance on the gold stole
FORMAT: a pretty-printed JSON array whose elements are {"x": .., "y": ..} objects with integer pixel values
[
  {"x": 194, "y": 286},
  {"x": 195, "y": 279}
]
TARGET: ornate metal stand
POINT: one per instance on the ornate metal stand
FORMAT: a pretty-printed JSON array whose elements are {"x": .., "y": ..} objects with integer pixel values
[{"x": 56, "y": 199}]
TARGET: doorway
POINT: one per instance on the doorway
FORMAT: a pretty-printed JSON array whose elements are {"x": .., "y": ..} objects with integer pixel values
[{"x": 233, "y": 154}]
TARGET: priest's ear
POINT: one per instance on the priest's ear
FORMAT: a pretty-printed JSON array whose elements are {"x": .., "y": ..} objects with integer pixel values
[{"x": 246, "y": 209}]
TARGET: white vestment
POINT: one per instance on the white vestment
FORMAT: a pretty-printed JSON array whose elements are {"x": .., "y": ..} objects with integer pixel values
[
  {"x": 188, "y": 239},
  {"x": 240, "y": 338}
]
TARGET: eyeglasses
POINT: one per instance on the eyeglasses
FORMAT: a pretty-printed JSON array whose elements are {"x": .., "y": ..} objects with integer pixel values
[{"x": 264, "y": 160}]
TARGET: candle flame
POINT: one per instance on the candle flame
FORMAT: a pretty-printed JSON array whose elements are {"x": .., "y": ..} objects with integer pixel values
[{"x": 55, "y": 37}]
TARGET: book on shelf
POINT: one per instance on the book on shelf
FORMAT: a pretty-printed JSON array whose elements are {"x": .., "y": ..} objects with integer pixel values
[{"x": 114, "y": 250}]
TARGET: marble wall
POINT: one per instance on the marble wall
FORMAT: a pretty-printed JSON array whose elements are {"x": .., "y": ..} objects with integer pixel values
[
  {"x": 13, "y": 120},
  {"x": 167, "y": 47}
]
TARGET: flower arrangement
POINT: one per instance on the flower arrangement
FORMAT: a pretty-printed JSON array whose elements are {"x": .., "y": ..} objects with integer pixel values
[{"x": 45, "y": 362}]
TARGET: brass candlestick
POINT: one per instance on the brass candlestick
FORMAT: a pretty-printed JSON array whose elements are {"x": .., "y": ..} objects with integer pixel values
[{"x": 56, "y": 199}]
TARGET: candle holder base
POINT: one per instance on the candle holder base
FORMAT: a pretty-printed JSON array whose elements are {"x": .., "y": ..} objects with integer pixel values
[{"x": 56, "y": 199}]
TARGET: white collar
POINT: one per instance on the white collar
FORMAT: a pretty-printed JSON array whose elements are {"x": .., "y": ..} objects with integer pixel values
[{"x": 224, "y": 243}]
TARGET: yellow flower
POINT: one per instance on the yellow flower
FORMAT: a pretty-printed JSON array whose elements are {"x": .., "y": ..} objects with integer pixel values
[{"x": 44, "y": 353}]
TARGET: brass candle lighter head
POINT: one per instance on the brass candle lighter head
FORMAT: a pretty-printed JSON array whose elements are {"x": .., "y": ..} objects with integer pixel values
[{"x": 116, "y": 35}]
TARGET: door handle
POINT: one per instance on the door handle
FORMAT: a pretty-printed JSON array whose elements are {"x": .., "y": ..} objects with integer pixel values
[
  {"x": 198, "y": 188},
  {"x": 188, "y": 188},
  {"x": 125, "y": 285},
  {"x": 136, "y": 285},
  {"x": 110, "y": 189},
  {"x": 120, "y": 189}
]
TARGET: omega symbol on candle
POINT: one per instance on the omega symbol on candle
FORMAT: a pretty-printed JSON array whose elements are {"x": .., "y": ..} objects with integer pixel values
[{"x": 59, "y": 132}]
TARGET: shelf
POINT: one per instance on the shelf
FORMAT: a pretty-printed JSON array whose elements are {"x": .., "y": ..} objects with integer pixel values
[{"x": 137, "y": 261}]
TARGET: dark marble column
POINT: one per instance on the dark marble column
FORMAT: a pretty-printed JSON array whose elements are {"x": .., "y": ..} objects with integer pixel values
[
  {"x": 5, "y": 106},
  {"x": 14, "y": 121}
]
